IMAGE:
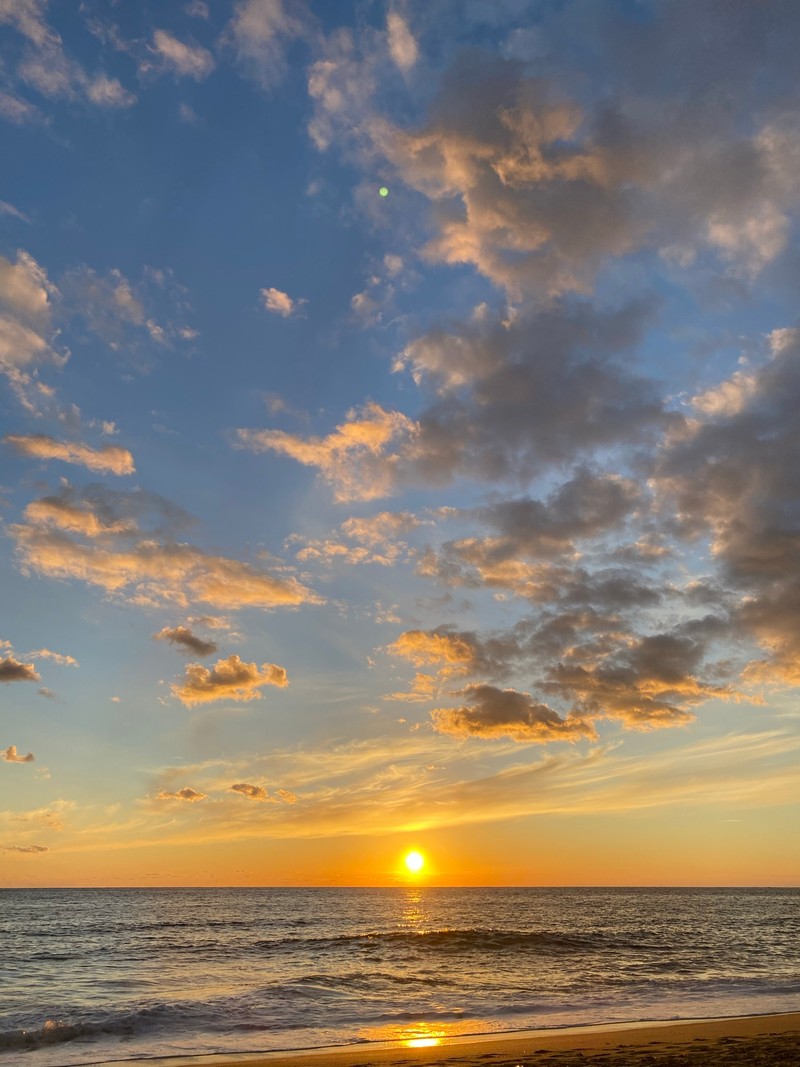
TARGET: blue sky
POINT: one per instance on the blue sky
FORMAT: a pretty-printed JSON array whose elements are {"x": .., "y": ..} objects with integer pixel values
[{"x": 334, "y": 522}]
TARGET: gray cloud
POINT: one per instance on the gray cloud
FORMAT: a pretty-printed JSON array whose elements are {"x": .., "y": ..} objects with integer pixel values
[
  {"x": 13, "y": 671},
  {"x": 182, "y": 637},
  {"x": 252, "y": 792},
  {"x": 495, "y": 713}
]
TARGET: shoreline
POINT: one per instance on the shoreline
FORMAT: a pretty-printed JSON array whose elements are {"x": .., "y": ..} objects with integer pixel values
[{"x": 714, "y": 1039}]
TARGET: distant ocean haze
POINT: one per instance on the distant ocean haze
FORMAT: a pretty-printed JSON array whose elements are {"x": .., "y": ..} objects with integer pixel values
[{"x": 105, "y": 974}]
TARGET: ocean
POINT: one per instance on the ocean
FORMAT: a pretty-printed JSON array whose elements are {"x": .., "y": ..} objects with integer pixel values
[{"x": 97, "y": 975}]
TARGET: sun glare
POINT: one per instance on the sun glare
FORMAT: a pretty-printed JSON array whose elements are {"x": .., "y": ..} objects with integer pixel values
[{"x": 414, "y": 862}]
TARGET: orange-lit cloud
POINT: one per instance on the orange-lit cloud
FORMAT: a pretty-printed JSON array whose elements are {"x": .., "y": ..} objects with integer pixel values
[
  {"x": 187, "y": 794},
  {"x": 355, "y": 459},
  {"x": 32, "y": 850},
  {"x": 423, "y": 648},
  {"x": 228, "y": 679},
  {"x": 54, "y": 511},
  {"x": 152, "y": 571},
  {"x": 252, "y": 792},
  {"x": 12, "y": 670},
  {"x": 281, "y": 303},
  {"x": 111, "y": 459},
  {"x": 10, "y": 755},
  {"x": 183, "y": 637},
  {"x": 493, "y": 713}
]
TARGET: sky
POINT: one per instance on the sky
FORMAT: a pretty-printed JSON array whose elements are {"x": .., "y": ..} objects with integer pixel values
[{"x": 399, "y": 442}]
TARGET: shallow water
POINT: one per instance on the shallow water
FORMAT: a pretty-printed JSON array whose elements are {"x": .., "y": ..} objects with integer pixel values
[{"x": 96, "y": 974}]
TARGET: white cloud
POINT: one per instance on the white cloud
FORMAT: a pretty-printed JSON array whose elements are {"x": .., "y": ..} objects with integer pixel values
[
  {"x": 402, "y": 45},
  {"x": 260, "y": 32},
  {"x": 187, "y": 60}
]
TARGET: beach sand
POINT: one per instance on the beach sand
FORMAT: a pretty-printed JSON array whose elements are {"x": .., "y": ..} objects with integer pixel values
[{"x": 750, "y": 1041}]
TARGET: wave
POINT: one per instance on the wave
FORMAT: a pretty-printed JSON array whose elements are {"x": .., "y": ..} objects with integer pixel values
[{"x": 489, "y": 939}]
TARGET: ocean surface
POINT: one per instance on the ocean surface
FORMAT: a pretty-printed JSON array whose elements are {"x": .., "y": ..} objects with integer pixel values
[{"x": 96, "y": 975}]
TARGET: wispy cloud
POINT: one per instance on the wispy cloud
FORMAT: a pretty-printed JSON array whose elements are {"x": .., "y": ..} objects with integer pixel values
[{"x": 110, "y": 459}]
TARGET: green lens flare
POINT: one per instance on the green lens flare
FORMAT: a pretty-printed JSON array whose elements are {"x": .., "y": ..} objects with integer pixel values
[{"x": 383, "y": 191}]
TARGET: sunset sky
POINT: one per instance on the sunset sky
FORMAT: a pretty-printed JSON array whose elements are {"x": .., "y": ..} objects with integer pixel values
[{"x": 462, "y": 516}]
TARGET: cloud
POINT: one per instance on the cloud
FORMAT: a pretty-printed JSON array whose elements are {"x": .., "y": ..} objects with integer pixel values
[
  {"x": 18, "y": 111},
  {"x": 26, "y": 849},
  {"x": 13, "y": 212},
  {"x": 252, "y": 792},
  {"x": 377, "y": 540},
  {"x": 148, "y": 566},
  {"x": 10, "y": 755},
  {"x": 110, "y": 459},
  {"x": 13, "y": 671},
  {"x": 353, "y": 459},
  {"x": 228, "y": 679},
  {"x": 183, "y": 638},
  {"x": 186, "y": 60},
  {"x": 425, "y": 648},
  {"x": 187, "y": 794},
  {"x": 402, "y": 45},
  {"x": 281, "y": 303},
  {"x": 57, "y": 657},
  {"x": 26, "y": 334},
  {"x": 496, "y": 713},
  {"x": 731, "y": 477},
  {"x": 49, "y": 69},
  {"x": 260, "y": 32},
  {"x": 77, "y": 518}
]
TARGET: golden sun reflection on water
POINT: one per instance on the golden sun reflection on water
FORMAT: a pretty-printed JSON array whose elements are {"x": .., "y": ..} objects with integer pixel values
[{"x": 422, "y": 1042}]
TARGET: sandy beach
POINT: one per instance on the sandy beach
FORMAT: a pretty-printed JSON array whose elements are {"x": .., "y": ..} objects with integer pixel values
[{"x": 750, "y": 1041}]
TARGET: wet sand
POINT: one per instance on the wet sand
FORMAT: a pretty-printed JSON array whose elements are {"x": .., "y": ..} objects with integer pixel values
[{"x": 749, "y": 1041}]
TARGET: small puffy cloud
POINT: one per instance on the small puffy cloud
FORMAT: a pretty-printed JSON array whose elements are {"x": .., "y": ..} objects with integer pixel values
[
  {"x": 260, "y": 32},
  {"x": 10, "y": 755},
  {"x": 187, "y": 794},
  {"x": 281, "y": 303},
  {"x": 426, "y": 648},
  {"x": 110, "y": 459},
  {"x": 228, "y": 679},
  {"x": 402, "y": 45},
  {"x": 186, "y": 60},
  {"x": 495, "y": 713},
  {"x": 108, "y": 92},
  {"x": 13, "y": 671},
  {"x": 354, "y": 458},
  {"x": 252, "y": 792},
  {"x": 31, "y": 850},
  {"x": 258, "y": 792},
  {"x": 183, "y": 638}
]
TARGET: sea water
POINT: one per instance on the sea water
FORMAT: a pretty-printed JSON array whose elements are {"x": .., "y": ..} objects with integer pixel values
[{"x": 95, "y": 975}]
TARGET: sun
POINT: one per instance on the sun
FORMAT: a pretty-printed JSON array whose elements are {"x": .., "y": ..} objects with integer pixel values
[{"x": 414, "y": 862}]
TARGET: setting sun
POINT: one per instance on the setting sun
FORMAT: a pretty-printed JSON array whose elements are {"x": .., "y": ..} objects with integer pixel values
[{"x": 414, "y": 861}]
